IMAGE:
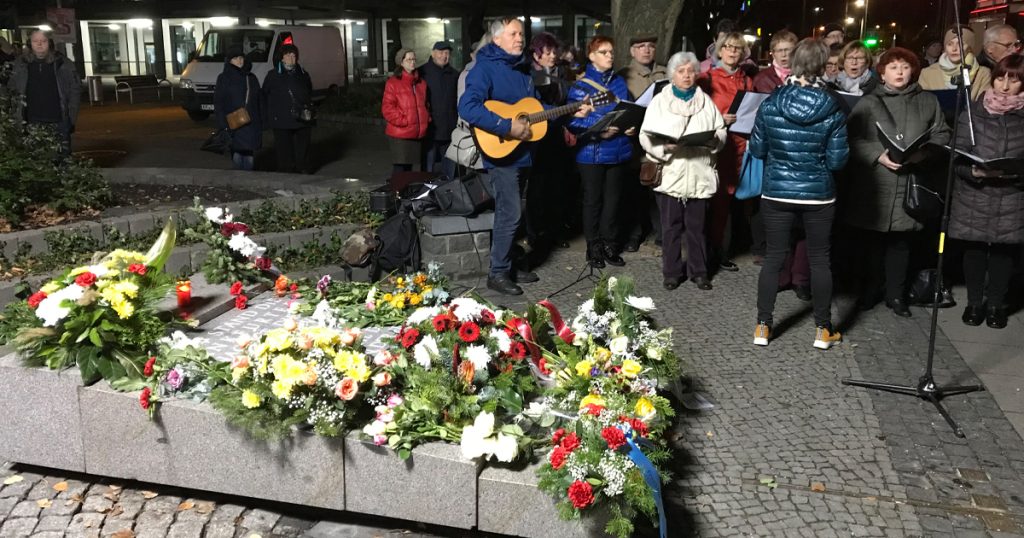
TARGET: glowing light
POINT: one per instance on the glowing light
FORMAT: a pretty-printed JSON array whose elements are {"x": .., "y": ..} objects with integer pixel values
[
  {"x": 140, "y": 23},
  {"x": 222, "y": 22}
]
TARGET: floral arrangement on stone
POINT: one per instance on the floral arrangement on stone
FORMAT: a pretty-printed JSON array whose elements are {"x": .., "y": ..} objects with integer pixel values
[
  {"x": 296, "y": 376},
  {"x": 385, "y": 303},
  {"x": 233, "y": 255},
  {"x": 182, "y": 369},
  {"x": 605, "y": 457},
  {"x": 102, "y": 318},
  {"x": 455, "y": 373}
]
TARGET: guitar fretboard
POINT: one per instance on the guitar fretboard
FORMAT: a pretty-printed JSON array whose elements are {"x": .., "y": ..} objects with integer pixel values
[{"x": 554, "y": 112}]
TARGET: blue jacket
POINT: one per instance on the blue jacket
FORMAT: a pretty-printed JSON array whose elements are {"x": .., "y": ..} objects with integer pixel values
[
  {"x": 592, "y": 149},
  {"x": 503, "y": 77},
  {"x": 801, "y": 134},
  {"x": 229, "y": 95}
]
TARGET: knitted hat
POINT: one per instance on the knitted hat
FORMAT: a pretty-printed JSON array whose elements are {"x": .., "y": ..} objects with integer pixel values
[
  {"x": 289, "y": 49},
  {"x": 833, "y": 27},
  {"x": 643, "y": 39},
  {"x": 968, "y": 37}
]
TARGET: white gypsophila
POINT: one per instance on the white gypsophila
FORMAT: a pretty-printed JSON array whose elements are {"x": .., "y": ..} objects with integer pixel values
[
  {"x": 577, "y": 469},
  {"x": 422, "y": 314},
  {"x": 643, "y": 304},
  {"x": 371, "y": 295},
  {"x": 323, "y": 316},
  {"x": 613, "y": 468},
  {"x": 642, "y": 385},
  {"x": 243, "y": 245},
  {"x": 467, "y": 309},
  {"x": 50, "y": 309},
  {"x": 425, "y": 351},
  {"x": 501, "y": 338},
  {"x": 478, "y": 356},
  {"x": 219, "y": 215}
]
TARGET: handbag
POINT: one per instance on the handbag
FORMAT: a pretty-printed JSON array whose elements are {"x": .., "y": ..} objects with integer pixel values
[
  {"x": 462, "y": 196},
  {"x": 302, "y": 112},
  {"x": 240, "y": 118},
  {"x": 218, "y": 142},
  {"x": 919, "y": 202},
  {"x": 922, "y": 291},
  {"x": 650, "y": 173},
  {"x": 462, "y": 150},
  {"x": 751, "y": 177}
]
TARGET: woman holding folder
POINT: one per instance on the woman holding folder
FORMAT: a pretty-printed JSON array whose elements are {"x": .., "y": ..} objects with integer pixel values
[
  {"x": 603, "y": 156},
  {"x": 688, "y": 178},
  {"x": 898, "y": 109},
  {"x": 988, "y": 202}
]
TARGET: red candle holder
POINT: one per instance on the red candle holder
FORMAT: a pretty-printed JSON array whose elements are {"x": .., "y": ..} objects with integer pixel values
[{"x": 184, "y": 291}]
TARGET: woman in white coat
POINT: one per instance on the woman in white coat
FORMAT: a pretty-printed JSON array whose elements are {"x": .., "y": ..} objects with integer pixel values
[{"x": 688, "y": 177}]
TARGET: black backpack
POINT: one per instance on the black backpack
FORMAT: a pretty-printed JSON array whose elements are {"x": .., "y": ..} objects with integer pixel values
[{"x": 398, "y": 246}]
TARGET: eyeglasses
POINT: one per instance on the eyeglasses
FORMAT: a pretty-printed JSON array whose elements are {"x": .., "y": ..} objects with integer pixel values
[
  {"x": 832, "y": 64},
  {"x": 856, "y": 58},
  {"x": 604, "y": 52},
  {"x": 731, "y": 47},
  {"x": 1014, "y": 45},
  {"x": 783, "y": 52}
]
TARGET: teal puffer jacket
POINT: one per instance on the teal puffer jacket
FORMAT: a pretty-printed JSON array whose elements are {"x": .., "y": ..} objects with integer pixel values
[{"x": 800, "y": 133}]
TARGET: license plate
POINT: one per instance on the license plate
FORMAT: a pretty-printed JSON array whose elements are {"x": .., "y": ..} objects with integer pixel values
[{"x": 206, "y": 107}]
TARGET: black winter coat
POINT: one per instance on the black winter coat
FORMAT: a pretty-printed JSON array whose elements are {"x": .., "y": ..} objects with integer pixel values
[
  {"x": 230, "y": 96},
  {"x": 989, "y": 210},
  {"x": 285, "y": 92},
  {"x": 442, "y": 95}
]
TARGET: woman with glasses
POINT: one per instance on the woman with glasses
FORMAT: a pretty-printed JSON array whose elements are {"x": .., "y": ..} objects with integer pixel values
[
  {"x": 603, "y": 157},
  {"x": 722, "y": 82},
  {"x": 944, "y": 74},
  {"x": 855, "y": 76},
  {"x": 832, "y": 66},
  {"x": 405, "y": 111},
  {"x": 782, "y": 45}
]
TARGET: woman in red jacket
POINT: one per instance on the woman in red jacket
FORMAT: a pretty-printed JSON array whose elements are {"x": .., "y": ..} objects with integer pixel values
[
  {"x": 405, "y": 111},
  {"x": 722, "y": 82}
]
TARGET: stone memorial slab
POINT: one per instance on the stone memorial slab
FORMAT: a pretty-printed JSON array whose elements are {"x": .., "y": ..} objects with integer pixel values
[
  {"x": 510, "y": 503},
  {"x": 190, "y": 445},
  {"x": 264, "y": 312},
  {"x": 41, "y": 416},
  {"x": 435, "y": 485}
]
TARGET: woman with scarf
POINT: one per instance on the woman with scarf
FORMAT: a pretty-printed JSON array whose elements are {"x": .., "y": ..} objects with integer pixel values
[
  {"x": 873, "y": 198},
  {"x": 688, "y": 176},
  {"x": 405, "y": 110},
  {"x": 603, "y": 158},
  {"x": 236, "y": 88},
  {"x": 988, "y": 205},
  {"x": 942, "y": 75},
  {"x": 855, "y": 76},
  {"x": 288, "y": 92},
  {"x": 722, "y": 83}
]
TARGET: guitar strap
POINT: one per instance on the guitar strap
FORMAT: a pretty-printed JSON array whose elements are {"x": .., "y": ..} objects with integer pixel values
[{"x": 599, "y": 87}]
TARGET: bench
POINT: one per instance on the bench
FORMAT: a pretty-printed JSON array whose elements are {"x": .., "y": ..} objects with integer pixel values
[{"x": 128, "y": 84}]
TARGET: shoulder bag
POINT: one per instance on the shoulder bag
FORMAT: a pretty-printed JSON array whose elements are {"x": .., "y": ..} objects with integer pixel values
[
  {"x": 240, "y": 118},
  {"x": 920, "y": 202},
  {"x": 650, "y": 173},
  {"x": 751, "y": 177}
]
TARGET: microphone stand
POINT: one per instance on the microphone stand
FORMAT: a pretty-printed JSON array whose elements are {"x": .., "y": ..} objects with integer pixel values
[{"x": 927, "y": 389}]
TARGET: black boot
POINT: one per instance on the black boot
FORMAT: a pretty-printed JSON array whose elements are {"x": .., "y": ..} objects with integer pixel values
[
  {"x": 996, "y": 317},
  {"x": 611, "y": 255},
  {"x": 973, "y": 315},
  {"x": 595, "y": 255},
  {"x": 899, "y": 307}
]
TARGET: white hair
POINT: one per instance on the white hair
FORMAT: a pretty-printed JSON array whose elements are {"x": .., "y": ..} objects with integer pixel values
[
  {"x": 992, "y": 32},
  {"x": 498, "y": 25},
  {"x": 681, "y": 58}
]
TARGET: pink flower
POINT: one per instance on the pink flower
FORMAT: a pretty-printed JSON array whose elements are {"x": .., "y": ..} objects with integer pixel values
[
  {"x": 348, "y": 337},
  {"x": 394, "y": 401},
  {"x": 380, "y": 439},
  {"x": 347, "y": 389},
  {"x": 240, "y": 361},
  {"x": 386, "y": 416},
  {"x": 382, "y": 379},
  {"x": 383, "y": 358},
  {"x": 370, "y": 305}
]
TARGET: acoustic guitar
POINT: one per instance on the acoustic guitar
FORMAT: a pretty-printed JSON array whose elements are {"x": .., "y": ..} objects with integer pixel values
[{"x": 498, "y": 147}]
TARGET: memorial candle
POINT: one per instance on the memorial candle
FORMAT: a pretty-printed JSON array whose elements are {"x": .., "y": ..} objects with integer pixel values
[{"x": 184, "y": 289}]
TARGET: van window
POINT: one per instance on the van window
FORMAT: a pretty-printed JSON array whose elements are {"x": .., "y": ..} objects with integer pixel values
[{"x": 255, "y": 44}]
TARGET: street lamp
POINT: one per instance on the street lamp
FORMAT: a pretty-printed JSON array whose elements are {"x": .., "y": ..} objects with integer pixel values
[{"x": 864, "y": 18}]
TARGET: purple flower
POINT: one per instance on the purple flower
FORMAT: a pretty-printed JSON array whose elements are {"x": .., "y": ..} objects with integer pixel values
[
  {"x": 174, "y": 379},
  {"x": 321, "y": 286}
]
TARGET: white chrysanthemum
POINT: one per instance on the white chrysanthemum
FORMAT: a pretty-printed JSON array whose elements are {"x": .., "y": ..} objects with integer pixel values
[
  {"x": 243, "y": 245},
  {"x": 425, "y": 351},
  {"x": 422, "y": 314},
  {"x": 587, "y": 306},
  {"x": 323, "y": 315},
  {"x": 478, "y": 356},
  {"x": 619, "y": 346},
  {"x": 218, "y": 215},
  {"x": 506, "y": 448},
  {"x": 644, "y": 304},
  {"x": 50, "y": 309},
  {"x": 467, "y": 309},
  {"x": 501, "y": 338}
]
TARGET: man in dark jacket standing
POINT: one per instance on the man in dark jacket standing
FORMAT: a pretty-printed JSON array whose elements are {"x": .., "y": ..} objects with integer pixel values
[
  {"x": 51, "y": 88},
  {"x": 442, "y": 90},
  {"x": 287, "y": 93}
]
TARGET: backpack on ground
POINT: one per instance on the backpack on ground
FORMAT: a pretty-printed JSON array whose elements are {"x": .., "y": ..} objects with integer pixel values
[{"x": 398, "y": 246}]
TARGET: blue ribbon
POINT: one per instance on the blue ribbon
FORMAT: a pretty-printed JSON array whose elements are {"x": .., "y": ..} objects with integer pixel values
[{"x": 651, "y": 476}]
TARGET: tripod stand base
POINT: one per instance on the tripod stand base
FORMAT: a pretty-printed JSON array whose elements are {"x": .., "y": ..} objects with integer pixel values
[
  {"x": 587, "y": 273},
  {"x": 927, "y": 390}
]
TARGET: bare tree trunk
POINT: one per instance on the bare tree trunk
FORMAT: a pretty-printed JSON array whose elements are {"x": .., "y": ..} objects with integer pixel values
[{"x": 645, "y": 17}]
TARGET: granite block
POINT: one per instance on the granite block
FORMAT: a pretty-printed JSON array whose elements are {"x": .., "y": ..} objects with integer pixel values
[
  {"x": 35, "y": 239},
  {"x": 190, "y": 445},
  {"x": 446, "y": 225},
  {"x": 141, "y": 223},
  {"x": 41, "y": 408},
  {"x": 507, "y": 493},
  {"x": 179, "y": 262},
  {"x": 436, "y": 484}
]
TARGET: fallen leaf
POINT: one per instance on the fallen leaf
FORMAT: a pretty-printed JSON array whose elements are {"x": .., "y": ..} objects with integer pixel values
[
  {"x": 710, "y": 435},
  {"x": 150, "y": 494},
  {"x": 769, "y": 482},
  {"x": 817, "y": 487},
  {"x": 77, "y": 498},
  {"x": 13, "y": 479},
  {"x": 60, "y": 486},
  {"x": 205, "y": 507},
  {"x": 44, "y": 503},
  {"x": 116, "y": 510},
  {"x": 187, "y": 505},
  {"x": 123, "y": 533},
  {"x": 115, "y": 489},
  {"x": 113, "y": 496}
]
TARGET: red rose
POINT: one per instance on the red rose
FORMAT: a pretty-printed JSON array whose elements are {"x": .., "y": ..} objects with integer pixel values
[
  {"x": 517, "y": 350},
  {"x": 236, "y": 288},
  {"x": 148, "y": 369},
  {"x": 241, "y": 301},
  {"x": 85, "y": 279},
  {"x": 543, "y": 366},
  {"x": 144, "y": 397},
  {"x": 442, "y": 323},
  {"x": 231, "y": 228},
  {"x": 593, "y": 409},
  {"x": 558, "y": 457},
  {"x": 581, "y": 494},
  {"x": 639, "y": 427},
  {"x": 557, "y": 437},
  {"x": 263, "y": 263},
  {"x": 294, "y": 287},
  {"x": 409, "y": 338},
  {"x": 487, "y": 317},
  {"x": 570, "y": 442},
  {"x": 469, "y": 332},
  {"x": 36, "y": 298},
  {"x": 137, "y": 268},
  {"x": 613, "y": 436}
]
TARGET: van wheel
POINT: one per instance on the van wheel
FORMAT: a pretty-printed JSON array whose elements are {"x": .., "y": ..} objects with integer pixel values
[{"x": 198, "y": 115}]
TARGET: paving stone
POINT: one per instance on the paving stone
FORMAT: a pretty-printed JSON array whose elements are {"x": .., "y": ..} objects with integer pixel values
[
  {"x": 258, "y": 520},
  {"x": 53, "y": 523},
  {"x": 112, "y": 525},
  {"x": 25, "y": 509},
  {"x": 186, "y": 529},
  {"x": 86, "y": 522},
  {"x": 16, "y": 527},
  {"x": 48, "y": 534}
]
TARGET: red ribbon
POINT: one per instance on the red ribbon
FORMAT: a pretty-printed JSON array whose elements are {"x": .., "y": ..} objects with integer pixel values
[
  {"x": 561, "y": 328},
  {"x": 523, "y": 329}
]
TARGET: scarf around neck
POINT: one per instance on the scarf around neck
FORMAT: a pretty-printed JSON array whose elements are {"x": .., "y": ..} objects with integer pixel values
[
  {"x": 951, "y": 70},
  {"x": 805, "y": 82},
  {"x": 852, "y": 85},
  {"x": 685, "y": 95},
  {"x": 999, "y": 104},
  {"x": 782, "y": 72}
]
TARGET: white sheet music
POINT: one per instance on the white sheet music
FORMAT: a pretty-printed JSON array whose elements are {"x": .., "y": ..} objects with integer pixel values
[{"x": 747, "y": 112}]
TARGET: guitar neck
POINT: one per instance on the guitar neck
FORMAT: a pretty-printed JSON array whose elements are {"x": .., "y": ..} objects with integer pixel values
[{"x": 553, "y": 113}]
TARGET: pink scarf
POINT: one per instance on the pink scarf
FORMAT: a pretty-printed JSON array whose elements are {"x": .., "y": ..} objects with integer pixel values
[
  {"x": 782, "y": 72},
  {"x": 998, "y": 103}
]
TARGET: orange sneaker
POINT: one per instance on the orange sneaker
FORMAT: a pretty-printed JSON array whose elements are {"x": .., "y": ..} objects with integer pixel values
[
  {"x": 762, "y": 333},
  {"x": 826, "y": 337}
]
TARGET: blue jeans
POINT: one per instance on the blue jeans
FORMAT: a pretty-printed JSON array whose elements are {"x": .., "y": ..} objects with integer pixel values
[
  {"x": 243, "y": 161},
  {"x": 508, "y": 213}
]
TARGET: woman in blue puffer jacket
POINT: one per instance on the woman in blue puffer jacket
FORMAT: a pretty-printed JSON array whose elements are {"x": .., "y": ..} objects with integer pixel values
[
  {"x": 603, "y": 159},
  {"x": 800, "y": 132}
]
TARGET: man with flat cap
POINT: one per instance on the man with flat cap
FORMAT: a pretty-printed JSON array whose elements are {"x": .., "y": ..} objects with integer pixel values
[
  {"x": 442, "y": 94},
  {"x": 642, "y": 71}
]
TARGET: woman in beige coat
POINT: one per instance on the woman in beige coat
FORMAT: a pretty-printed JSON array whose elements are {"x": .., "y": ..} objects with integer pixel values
[
  {"x": 688, "y": 177},
  {"x": 942, "y": 74}
]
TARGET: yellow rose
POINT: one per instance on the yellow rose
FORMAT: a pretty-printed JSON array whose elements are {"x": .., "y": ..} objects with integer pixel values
[
  {"x": 644, "y": 408},
  {"x": 250, "y": 399},
  {"x": 631, "y": 368},
  {"x": 601, "y": 354},
  {"x": 591, "y": 399},
  {"x": 583, "y": 368}
]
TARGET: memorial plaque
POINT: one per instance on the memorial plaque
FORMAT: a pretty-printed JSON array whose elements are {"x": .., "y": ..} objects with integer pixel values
[{"x": 264, "y": 312}]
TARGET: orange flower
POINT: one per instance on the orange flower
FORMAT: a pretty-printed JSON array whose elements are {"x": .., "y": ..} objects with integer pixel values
[
  {"x": 281, "y": 285},
  {"x": 240, "y": 361},
  {"x": 466, "y": 372},
  {"x": 347, "y": 389},
  {"x": 310, "y": 377}
]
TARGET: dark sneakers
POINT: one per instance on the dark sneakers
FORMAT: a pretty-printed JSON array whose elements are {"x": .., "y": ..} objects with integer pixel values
[
  {"x": 729, "y": 265},
  {"x": 503, "y": 285}
]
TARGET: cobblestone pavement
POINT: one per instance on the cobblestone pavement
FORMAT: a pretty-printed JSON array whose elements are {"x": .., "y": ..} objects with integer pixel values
[{"x": 787, "y": 450}]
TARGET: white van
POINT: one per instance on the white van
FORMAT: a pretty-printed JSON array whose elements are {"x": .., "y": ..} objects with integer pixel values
[{"x": 321, "y": 54}]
